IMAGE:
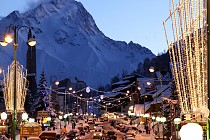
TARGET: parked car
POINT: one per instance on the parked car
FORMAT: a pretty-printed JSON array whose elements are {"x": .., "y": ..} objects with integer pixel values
[
  {"x": 73, "y": 134},
  {"x": 105, "y": 118},
  {"x": 112, "y": 135},
  {"x": 131, "y": 133},
  {"x": 101, "y": 119}
]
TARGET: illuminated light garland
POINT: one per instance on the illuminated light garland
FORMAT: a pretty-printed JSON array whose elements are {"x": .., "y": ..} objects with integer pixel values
[
  {"x": 20, "y": 88},
  {"x": 88, "y": 99},
  {"x": 188, "y": 68},
  {"x": 188, "y": 52}
]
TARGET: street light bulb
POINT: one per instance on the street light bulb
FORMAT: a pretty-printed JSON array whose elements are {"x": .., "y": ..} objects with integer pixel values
[
  {"x": 148, "y": 83},
  {"x": 3, "y": 43},
  {"x": 70, "y": 88},
  {"x": 151, "y": 69},
  {"x": 31, "y": 42},
  {"x": 8, "y": 39},
  {"x": 57, "y": 83}
]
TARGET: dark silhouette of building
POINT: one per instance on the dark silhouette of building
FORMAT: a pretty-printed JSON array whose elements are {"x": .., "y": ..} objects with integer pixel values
[{"x": 31, "y": 74}]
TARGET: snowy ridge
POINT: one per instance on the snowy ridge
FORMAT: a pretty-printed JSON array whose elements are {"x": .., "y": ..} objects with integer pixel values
[{"x": 69, "y": 44}]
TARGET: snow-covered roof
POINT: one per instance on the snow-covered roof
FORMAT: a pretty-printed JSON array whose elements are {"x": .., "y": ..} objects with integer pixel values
[
  {"x": 111, "y": 94},
  {"x": 121, "y": 82},
  {"x": 121, "y": 88},
  {"x": 163, "y": 93}
]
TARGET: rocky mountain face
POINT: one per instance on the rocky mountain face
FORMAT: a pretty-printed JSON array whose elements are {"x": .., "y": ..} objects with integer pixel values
[{"x": 69, "y": 44}]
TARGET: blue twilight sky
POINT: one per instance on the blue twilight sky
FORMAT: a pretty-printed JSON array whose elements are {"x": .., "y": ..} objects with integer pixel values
[{"x": 139, "y": 21}]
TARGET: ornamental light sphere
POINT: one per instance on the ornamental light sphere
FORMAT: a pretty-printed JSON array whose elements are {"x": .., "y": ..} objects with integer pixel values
[
  {"x": 3, "y": 116},
  {"x": 24, "y": 116},
  {"x": 48, "y": 118},
  {"x": 177, "y": 120},
  {"x": 31, "y": 120},
  {"x": 163, "y": 119},
  {"x": 191, "y": 131},
  {"x": 158, "y": 119},
  {"x": 65, "y": 116},
  {"x": 88, "y": 89},
  {"x": 60, "y": 117}
]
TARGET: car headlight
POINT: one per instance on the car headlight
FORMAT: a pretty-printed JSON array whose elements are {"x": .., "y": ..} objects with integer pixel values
[
  {"x": 94, "y": 134},
  {"x": 100, "y": 134}
]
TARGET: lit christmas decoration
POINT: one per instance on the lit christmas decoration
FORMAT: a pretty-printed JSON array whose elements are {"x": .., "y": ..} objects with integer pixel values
[
  {"x": 88, "y": 89},
  {"x": 20, "y": 86},
  {"x": 187, "y": 47}
]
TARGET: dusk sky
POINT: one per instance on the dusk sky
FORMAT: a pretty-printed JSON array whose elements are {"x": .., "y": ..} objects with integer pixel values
[{"x": 139, "y": 21}]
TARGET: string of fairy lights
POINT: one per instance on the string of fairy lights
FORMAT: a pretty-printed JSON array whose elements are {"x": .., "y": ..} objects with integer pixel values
[
  {"x": 187, "y": 45},
  {"x": 98, "y": 101}
]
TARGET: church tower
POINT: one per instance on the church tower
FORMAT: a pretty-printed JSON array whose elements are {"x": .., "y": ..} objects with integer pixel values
[{"x": 31, "y": 74}]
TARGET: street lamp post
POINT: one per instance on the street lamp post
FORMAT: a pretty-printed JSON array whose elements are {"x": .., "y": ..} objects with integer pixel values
[
  {"x": 163, "y": 120},
  {"x": 152, "y": 70},
  {"x": 60, "y": 118},
  {"x": 153, "y": 119},
  {"x": 8, "y": 39},
  {"x": 158, "y": 119},
  {"x": 65, "y": 116},
  {"x": 177, "y": 122},
  {"x": 145, "y": 96}
]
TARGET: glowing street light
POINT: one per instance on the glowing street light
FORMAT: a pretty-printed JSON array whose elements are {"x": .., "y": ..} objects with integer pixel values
[{"x": 56, "y": 83}]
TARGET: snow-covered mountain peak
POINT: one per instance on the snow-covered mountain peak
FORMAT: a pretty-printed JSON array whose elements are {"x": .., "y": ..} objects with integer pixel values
[{"x": 69, "y": 44}]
